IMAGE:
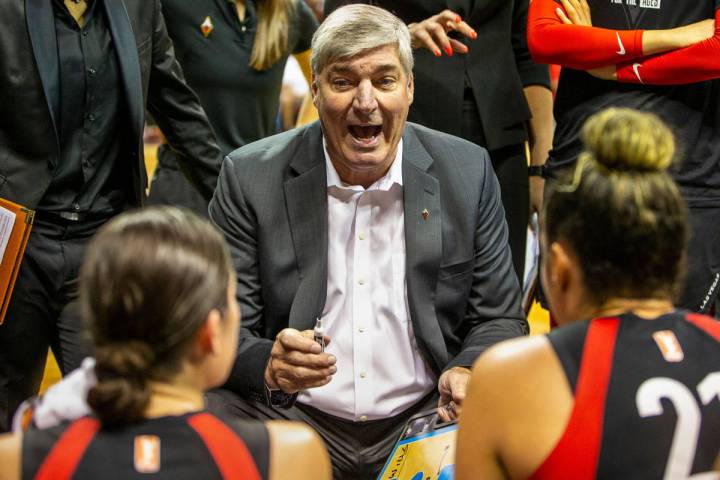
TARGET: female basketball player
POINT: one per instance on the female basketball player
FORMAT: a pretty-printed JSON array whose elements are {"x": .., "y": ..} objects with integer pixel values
[{"x": 635, "y": 391}]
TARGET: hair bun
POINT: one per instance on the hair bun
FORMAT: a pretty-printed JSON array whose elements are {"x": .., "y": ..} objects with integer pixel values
[
  {"x": 624, "y": 139},
  {"x": 131, "y": 359}
]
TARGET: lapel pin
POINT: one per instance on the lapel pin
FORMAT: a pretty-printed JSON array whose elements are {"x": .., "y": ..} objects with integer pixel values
[
  {"x": 425, "y": 214},
  {"x": 206, "y": 27}
]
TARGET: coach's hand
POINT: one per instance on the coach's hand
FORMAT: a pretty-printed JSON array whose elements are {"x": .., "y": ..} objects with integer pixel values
[
  {"x": 452, "y": 386},
  {"x": 297, "y": 362}
]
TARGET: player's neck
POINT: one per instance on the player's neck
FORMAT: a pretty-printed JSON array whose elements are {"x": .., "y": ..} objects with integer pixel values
[
  {"x": 171, "y": 399},
  {"x": 648, "y": 308}
]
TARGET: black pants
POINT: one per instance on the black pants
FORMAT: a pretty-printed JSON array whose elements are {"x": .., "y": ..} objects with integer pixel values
[
  {"x": 43, "y": 311},
  {"x": 510, "y": 166},
  {"x": 358, "y": 450},
  {"x": 171, "y": 187},
  {"x": 702, "y": 285}
]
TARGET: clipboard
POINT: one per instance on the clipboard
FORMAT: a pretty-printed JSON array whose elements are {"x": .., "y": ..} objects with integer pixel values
[
  {"x": 15, "y": 224},
  {"x": 424, "y": 451}
]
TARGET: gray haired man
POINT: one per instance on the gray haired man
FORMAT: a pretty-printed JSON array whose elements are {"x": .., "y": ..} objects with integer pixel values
[{"x": 390, "y": 234}]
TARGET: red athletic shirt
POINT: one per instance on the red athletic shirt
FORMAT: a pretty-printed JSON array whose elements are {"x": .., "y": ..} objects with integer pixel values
[{"x": 585, "y": 48}]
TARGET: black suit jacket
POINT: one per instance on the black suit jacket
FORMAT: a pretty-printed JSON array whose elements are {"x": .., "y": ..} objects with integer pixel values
[
  {"x": 497, "y": 67},
  {"x": 150, "y": 76},
  {"x": 271, "y": 205}
]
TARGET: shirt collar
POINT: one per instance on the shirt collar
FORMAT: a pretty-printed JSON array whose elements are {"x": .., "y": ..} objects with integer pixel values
[{"x": 392, "y": 177}]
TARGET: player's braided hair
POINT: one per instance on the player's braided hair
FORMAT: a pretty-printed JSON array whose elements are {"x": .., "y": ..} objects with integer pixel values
[{"x": 148, "y": 282}]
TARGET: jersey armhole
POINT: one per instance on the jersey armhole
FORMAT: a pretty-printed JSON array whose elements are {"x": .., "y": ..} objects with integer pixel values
[{"x": 568, "y": 343}]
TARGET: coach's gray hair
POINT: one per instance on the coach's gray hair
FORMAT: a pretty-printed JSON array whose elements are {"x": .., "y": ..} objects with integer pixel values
[{"x": 354, "y": 29}]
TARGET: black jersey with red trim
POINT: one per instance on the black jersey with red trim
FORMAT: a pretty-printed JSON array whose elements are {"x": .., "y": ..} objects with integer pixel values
[
  {"x": 692, "y": 110},
  {"x": 192, "y": 446},
  {"x": 647, "y": 398}
]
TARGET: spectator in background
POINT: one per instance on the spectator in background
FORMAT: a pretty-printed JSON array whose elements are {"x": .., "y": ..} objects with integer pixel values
[
  {"x": 474, "y": 79},
  {"x": 664, "y": 60},
  {"x": 158, "y": 294},
  {"x": 628, "y": 387},
  {"x": 75, "y": 79},
  {"x": 234, "y": 56}
]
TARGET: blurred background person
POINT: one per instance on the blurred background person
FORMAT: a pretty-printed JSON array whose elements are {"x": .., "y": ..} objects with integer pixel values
[
  {"x": 75, "y": 80},
  {"x": 158, "y": 294},
  {"x": 233, "y": 54},
  {"x": 474, "y": 79},
  {"x": 662, "y": 57},
  {"x": 634, "y": 392}
]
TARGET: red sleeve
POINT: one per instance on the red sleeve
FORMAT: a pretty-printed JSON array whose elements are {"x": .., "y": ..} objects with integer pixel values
[
  {"x": 573, "y": 46},
  {"x": 695, "y": 63}
]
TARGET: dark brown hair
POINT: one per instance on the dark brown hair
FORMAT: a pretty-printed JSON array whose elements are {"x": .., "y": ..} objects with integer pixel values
[
  {"x": 149, "y": 280},
  {"x": 619, "y": 209}
]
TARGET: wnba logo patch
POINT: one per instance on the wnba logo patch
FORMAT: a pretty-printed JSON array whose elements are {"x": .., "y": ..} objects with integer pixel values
[
  {"x": 669, "y": 346},
  {"x": 147, "y": 454}
]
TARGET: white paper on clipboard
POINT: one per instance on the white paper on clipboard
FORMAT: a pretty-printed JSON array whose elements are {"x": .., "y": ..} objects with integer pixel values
[{"x": 7, "y": 222}]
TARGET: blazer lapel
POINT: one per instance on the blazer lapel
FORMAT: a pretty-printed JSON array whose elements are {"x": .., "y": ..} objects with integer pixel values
[
  {"x": 423, "y": 247},
  {"x": 127, "y": 54},
  {"x": 41, "y": 27},
  {"x": 306, "y": 204}
]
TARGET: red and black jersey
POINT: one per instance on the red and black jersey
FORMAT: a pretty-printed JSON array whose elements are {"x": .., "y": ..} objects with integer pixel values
[
  {"x": 679, "y": 86},
  {"x": 192, "y": 446},
  {"x": 647, "y": 398}
]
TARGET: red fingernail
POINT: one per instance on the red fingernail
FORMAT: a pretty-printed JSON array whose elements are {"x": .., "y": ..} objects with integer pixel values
[
  {"x": 449, "y": 51},
  {"x": 458, "y": 19},
  {"x": 437, "y": 53}
]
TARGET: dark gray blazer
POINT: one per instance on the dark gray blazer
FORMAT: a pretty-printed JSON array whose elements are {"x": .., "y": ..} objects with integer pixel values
[
  {"x": 150, "y": 76},
  {"x": 271, "y": 204}
]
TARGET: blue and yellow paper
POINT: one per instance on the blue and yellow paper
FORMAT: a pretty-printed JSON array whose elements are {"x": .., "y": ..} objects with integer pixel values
[{"x": 428, "y": 456}]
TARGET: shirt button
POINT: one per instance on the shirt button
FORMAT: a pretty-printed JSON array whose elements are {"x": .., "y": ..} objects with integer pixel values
[
  {"x": 91, "y": 71},
  {"x": 85, "y": 33},
  {"x": 91, "y": 118},
  {"x": 243, "y": 28},
  {"x": 361, "y": 281},
  {"x": 361, "y": 329},
  {"x": 76, "y": 206},
  {"x": 363, "y": 374},
  {"x": 363, "y": 418},
  {"x": 361, "y": 236}
]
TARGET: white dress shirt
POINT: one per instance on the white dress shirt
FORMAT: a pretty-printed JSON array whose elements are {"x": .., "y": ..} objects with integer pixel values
[{"x": 380, "y": 371}]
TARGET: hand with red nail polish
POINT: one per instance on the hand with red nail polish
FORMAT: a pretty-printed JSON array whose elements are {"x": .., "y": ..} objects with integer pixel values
[{"x": 432, "y": 33}]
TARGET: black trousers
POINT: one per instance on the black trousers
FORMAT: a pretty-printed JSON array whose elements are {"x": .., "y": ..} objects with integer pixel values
[
  {"x": 43, "y": 311},
  {"x": 358, "y": 450},
  {"x": 171, "y": 187},
  {"x": 702, "y": 285},
  {"x": 510, "y": 166}
]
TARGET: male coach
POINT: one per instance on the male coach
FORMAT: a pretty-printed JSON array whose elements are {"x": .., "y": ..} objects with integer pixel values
[
  {"x": 75, "y": 79},
  {"x": 391, "y": 234}
]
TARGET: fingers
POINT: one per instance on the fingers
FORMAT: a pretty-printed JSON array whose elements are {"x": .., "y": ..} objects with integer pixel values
[
  {"x": 577, "y": 12},
  {"x": 449, "y": 411},
  {"x": 291, "y": 339},
  {"x": 432, "y": 33},
  {"x": 292, "y": 378},
  {"x": 458, "y": 47},
  {"x": 563, "y": 18},
  {"x": 297, "y": 362}
]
